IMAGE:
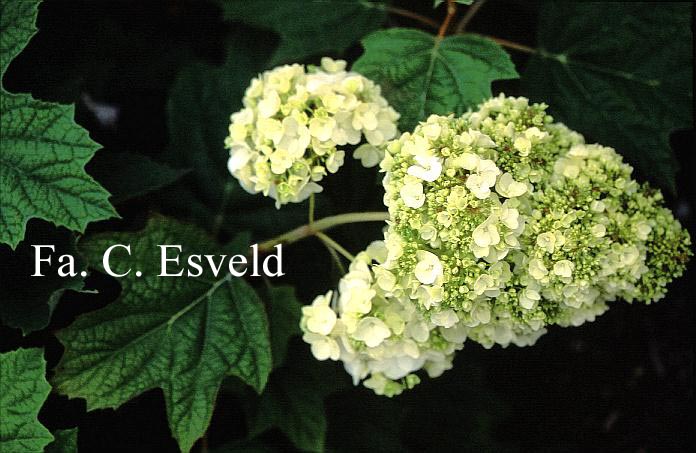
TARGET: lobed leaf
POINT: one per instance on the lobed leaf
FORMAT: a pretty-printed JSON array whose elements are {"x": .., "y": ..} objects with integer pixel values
[
  {"x": 293, "y": 404},
  {"x": 183, "y": 335},
  {"x": 42, "y": 169},
  {"x": 421, "y": 74},
  {"x": 42, "y": 151},
  {"x": 200, "y": 103},
  {"x": 17, "y": 21}
]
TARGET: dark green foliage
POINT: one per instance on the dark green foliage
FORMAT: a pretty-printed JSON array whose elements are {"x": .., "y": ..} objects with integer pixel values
[
  {"x": 421, "y": 74},
  {"x": 306, "y": 29},
  {"x": 620, "y": 73},
  {"x": 43, "y": 151},
  {"x": 23, "y": 389}
]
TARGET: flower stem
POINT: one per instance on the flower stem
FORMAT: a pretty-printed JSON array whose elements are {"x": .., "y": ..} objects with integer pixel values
[
  {"x": 335, "y": 257},
  {"x": 311, "y": 209},
  {"x": 334, "y": 245},
  {"x": 305, "y": 231}
]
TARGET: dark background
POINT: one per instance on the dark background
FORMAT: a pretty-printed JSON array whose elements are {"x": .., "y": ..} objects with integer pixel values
[{"x": 622, "y": 383}]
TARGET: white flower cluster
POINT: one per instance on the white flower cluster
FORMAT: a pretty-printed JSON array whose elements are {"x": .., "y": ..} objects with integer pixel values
[
  {"x": 295, "y": 122},
  {"x": 501, "y": 223},
  {"x": 377, "y": 331},
  {"x": 515, "y": 223}
]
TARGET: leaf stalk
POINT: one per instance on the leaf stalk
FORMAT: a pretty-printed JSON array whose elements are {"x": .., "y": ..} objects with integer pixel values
[{"x": 451, "y": 11}]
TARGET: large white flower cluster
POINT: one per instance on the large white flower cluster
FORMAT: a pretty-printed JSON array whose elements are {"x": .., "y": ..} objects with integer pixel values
[
  {"x": 379, "y": 334},
  {"x": 295, "y": 122},
  {"x": 502, "y": 223}
]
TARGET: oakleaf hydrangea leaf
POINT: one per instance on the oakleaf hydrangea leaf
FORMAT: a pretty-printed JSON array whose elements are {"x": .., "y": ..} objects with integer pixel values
[
  {"x": 180, "y": 334},
  {"x": 17, "y": 24},
  {"x": 66, "y": 441},
  {"x": 42, "y": 174},
  {"x": 421, "y": 74},
  {"x": 601, "y": 77},
  {"x": 308, "y": 28},
  {"x": 23, "y": 390},
  {"x": 43, "y": 150}
]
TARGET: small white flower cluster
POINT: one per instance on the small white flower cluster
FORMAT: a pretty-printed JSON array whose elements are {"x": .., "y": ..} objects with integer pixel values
[
  {"x": 377, "y": 331},
  {"x": 295, "y": 122},
  {"x": 501, "y": 223}
]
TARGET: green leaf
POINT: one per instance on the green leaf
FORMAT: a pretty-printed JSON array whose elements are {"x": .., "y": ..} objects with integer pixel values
[
  {"x": 621, "y": 73},
  {"x": 42, "y": 169},
  {"x": 421, "y": 74},
  {"x": 66, "y": 441},
  {"x": 23, "y": 390},
  {"x": 180, "y": 334},
  {"x": 42, "y": 151},
  {"x": 130, "y": 175},
  {"x": 17, "y": 25},
  {"x": 28, "y": 302},
  {"x": 284, "y": 318},
  {"x": 308, "y": 28}
]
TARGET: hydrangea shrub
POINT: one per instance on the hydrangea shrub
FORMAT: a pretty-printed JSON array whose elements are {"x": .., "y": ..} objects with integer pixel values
[{"x": 500, "y": 221}]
